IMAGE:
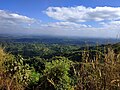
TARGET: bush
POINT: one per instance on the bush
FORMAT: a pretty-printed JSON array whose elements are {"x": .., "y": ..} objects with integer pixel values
[{"x": 56, "y": 75}]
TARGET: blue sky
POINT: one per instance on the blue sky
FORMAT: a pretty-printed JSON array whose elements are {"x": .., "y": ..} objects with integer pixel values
[{"x": 84, "y": 18}]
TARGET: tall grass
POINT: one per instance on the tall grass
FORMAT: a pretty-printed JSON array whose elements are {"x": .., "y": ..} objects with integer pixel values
[{"x": 100, "y": 73}]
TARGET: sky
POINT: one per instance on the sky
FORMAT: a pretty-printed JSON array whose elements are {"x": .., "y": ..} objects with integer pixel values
[{"x": 81, "y": 18}]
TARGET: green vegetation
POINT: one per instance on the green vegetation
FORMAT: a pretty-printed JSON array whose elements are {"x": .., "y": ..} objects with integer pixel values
[{"x": 34, "y": 66}]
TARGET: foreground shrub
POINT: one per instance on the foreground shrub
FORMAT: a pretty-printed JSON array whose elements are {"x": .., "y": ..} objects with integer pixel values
[
  {"x": 14, "y": 74},
  {"x": 6, "y": 82},
  {"x": 56, "y": 75}
]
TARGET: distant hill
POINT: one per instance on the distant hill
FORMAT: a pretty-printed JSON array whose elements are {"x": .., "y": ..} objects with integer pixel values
[{"x": 58, "y": 40}]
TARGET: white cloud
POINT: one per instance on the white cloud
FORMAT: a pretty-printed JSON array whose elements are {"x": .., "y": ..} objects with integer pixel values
[
  {"x": 69, "y": 24},
  {"x": 12, "y": 23},
  {"x": 106, "y": 18},
  {"x": 83, "y": 14},
  {"x": 112, "y": 25},
  {"x": 66, "y": 25},
  {"x": 13, "y": 18},
  {"x": 75, "y": 29}
]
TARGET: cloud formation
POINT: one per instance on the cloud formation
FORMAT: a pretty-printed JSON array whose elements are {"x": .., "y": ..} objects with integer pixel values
[
  {"x": 14, "y": 23},
  {"x": 106, "y": 20},
  {"x": 8, "y": 18},
  {"x": 83, "y": 14},
  {"x": 66, "y": 25},
  {"x": 73, "y": 22},
  {"x": 80, "y": 30}
]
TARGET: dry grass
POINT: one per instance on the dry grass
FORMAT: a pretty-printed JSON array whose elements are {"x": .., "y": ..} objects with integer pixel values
[{"x": 96, "y": 75}]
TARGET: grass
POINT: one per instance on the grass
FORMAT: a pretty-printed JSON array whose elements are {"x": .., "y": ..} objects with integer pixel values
[{"x": 96, "y": 75}]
